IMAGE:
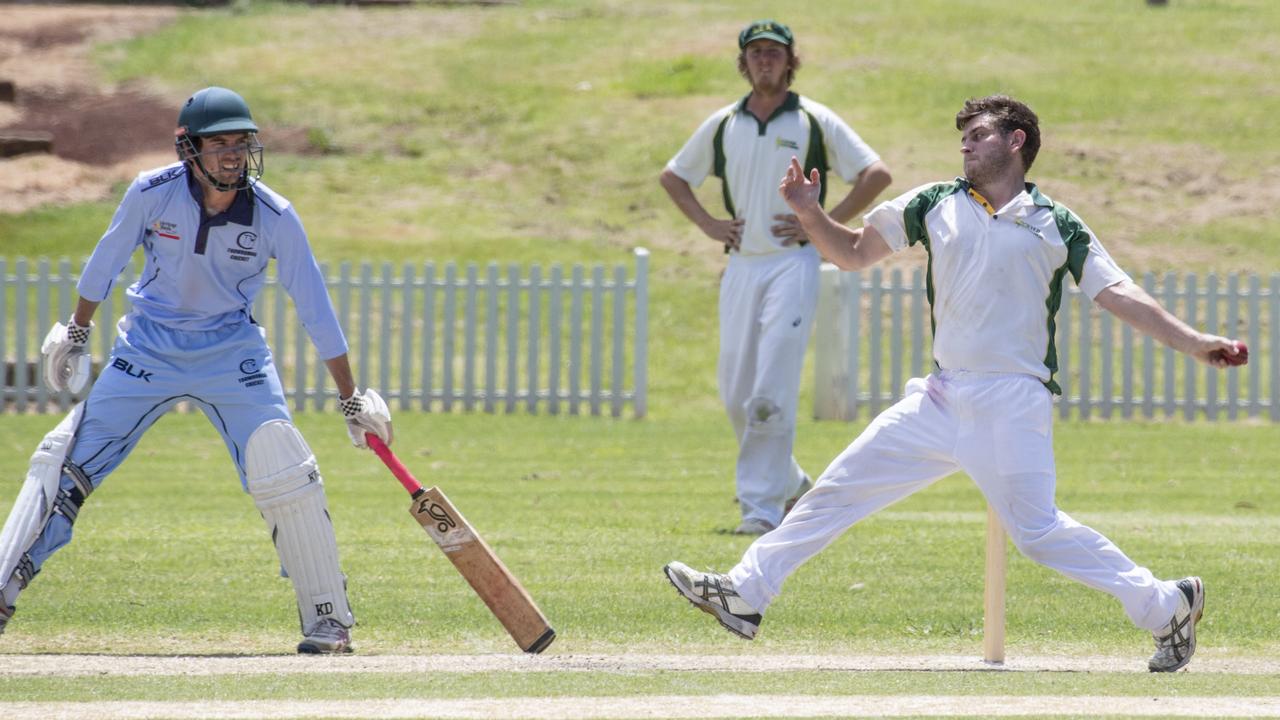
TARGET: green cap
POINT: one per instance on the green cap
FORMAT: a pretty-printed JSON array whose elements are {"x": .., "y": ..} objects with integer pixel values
[
  {"x": 215, "y": 110},
  {"x": 765, "y": 30}
]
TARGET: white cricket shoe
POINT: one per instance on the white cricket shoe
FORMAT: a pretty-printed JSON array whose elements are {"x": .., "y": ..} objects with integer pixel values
[
  {"x": 714, "y": 594},
  {"x": 326, "y": 637},
  {"x": 752, "y": 526},
  {"x": 1178, "y": 643}
]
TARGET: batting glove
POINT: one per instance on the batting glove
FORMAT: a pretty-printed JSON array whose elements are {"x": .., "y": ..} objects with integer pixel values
[
  {"x": 66, "y": 356},
  {"x": 366, "y": 412}
]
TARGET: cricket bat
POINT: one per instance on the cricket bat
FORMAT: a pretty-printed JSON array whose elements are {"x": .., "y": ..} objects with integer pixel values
[{"x": 472, "y": 556}]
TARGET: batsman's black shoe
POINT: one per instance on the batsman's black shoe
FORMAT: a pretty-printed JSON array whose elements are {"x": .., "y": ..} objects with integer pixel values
[
  {"x": 714, "y": 594},
  {"x": 326, "y": 637},
  {"x": 5, "y": 614},
  {"x": 1176, "y": 643}
]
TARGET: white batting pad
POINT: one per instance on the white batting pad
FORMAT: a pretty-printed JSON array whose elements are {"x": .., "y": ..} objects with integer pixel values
[
  {"x": 39, "y": 497},
  {"x": 286, "y": 486}
]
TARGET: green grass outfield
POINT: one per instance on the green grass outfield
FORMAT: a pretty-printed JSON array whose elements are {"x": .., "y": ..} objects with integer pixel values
[
  {"x": 171, "y": 558},
  {"x": 535, "y": 133}
]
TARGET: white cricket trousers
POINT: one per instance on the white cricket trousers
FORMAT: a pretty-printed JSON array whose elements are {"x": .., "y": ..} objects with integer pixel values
[
  {"x": 998, "y": 428},
  {"x": 767, "y": 303}
]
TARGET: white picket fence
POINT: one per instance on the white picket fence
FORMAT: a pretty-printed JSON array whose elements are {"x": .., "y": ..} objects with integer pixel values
[
  {"x": 508, "y": 338},
  {"x": 872, "y": 334}
]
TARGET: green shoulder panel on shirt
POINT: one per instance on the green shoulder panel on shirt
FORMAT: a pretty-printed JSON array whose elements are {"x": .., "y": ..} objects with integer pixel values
[
  {"x": 914, "y": 214},
  {"x": 718, "y": 168},
  {"x": 921, "y": 204},
  {"x": 816, "y": 157},
  {"x": 1075, "y": 237}
]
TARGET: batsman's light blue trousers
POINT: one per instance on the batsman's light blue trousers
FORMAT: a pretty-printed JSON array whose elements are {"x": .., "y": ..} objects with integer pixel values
[{"x": 228, "y": 373}]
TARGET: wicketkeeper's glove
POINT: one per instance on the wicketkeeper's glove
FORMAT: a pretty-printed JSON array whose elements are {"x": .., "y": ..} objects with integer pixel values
[
  {"x": 66, "y": 356},
  {"x": 366, "y": 412}
]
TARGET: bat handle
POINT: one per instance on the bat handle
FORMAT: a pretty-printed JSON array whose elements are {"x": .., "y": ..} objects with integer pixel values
[{"x": 393, "y": 464}]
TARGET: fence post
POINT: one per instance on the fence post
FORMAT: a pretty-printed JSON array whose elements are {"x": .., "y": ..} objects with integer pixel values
[
  {"x": 407, "y": 334},
  {"x": 20, "y": 378},
  {"x": 1274, "y": 334},
  {"x": 469, "y": 339},
  {"x": 428, "y": 334},
  {"x": 895, "y": 338},
  {"x": 1255, "y": 376},
  {"x": 535, "y": 332},
  {"x": 491, "y": 337},
  {"x": 554, "y": 318},
  {"x": 877, "y": 335},
  {"x": 42, "y": 325},
  {"x": 1086, "y": 356},
  {"x": 617, "y": 356},
  {"x": 575, "y": 340},
  {"x": 513, "y": 336},
  {"x": 641, "y": 369},
  {"x": 447, "y": 330},
  {"x": 4, "y": 332}
]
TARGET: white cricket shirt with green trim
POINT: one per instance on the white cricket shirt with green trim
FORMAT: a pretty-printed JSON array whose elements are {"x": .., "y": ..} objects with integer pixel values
[
  {"x": 755, "y": 154},
  {"x": 995, "y": 276}
]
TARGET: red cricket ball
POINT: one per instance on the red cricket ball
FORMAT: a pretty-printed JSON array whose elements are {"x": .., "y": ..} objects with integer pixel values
[{"x": 1240, "y": 358}]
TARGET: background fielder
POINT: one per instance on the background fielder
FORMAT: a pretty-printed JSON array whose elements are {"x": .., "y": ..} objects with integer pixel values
[
  {"x": 208, "y": 228},
  {"x": 998, "y": 251},
  {"x": 769, "y": 291}
]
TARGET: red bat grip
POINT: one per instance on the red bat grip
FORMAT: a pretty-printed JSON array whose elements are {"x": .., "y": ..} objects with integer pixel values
[{"x": 393, "y": 464}]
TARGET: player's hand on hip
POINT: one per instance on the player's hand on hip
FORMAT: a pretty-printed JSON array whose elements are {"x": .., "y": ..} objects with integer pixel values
[
  {"x": 728, "y": 232},
  {"x": 366, "y": 412},
  {"x": 799, "y": 192},
  {"x": 789, "y": 229},
  {"x": 66, "y": 356}
]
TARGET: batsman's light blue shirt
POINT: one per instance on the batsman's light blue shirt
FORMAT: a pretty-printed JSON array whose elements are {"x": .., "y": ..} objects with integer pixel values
[{"x": 203, "y": 273}]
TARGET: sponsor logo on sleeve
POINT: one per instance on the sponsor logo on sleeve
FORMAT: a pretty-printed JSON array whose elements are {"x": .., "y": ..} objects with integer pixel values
[
  {"x": 166, "y": 229},
  {"x": 165, "y": 176}
]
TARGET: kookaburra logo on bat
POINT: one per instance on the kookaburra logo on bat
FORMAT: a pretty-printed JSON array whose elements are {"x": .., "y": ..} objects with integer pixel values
[{"x": 443, "y": 522}]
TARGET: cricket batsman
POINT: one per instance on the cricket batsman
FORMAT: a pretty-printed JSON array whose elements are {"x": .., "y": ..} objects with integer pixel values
[{"x": 207, "y": 227}]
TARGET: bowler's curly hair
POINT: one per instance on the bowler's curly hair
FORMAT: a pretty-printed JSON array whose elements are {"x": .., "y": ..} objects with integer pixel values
[{"x": 1009, "y": 115}]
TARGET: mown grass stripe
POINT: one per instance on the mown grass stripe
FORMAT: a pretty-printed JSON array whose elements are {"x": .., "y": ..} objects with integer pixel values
[
  {"x": 159, "y": 665},
  {"x": 669, "y": 706}
]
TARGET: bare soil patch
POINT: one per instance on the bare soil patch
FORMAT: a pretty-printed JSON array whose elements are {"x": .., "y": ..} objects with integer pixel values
[{"x": 102, "y": 134}]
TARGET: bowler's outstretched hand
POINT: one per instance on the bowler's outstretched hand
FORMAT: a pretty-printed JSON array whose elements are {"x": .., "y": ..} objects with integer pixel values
[
  {"x": 1224, "y": 353},
  {"x": 801, "y": 193}
]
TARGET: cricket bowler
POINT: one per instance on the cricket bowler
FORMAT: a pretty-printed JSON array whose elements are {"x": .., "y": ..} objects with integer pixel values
[{"x": 999, "y": 251}]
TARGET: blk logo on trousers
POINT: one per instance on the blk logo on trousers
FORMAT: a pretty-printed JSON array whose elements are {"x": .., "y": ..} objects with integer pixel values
[{"x": 130, "y": 370}]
